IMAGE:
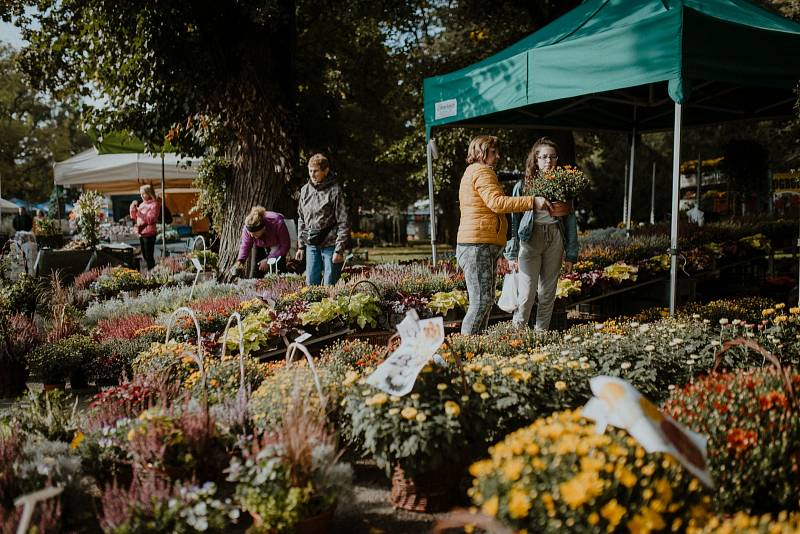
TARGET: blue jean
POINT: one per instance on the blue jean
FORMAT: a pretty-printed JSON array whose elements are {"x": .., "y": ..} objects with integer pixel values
[{"x": 318, "y": 258}]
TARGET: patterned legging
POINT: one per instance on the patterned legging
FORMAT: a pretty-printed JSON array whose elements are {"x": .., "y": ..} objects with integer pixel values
[{"x": 478, "y": 263}]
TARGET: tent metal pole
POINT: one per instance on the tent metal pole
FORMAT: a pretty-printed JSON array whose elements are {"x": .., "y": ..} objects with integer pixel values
[
  {"x": 163, "y": 211},
  {"x": 653, "y": 196},
  {"x": 630, "y": 180},
  {"x": 676, "y": 175},
  {"x": 625, "y": 194},
  {"x": 431, "y": 200}
]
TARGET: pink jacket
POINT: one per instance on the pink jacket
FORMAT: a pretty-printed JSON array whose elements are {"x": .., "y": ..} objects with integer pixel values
[{"x": 146, "y": 216}]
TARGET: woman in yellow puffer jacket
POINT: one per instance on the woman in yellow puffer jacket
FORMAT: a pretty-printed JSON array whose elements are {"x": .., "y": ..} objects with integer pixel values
[{"x": 482, "y": 229}]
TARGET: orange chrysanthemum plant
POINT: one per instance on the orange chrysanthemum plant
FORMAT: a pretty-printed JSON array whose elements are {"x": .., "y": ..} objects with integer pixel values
[{"x": 753, "y": 429}]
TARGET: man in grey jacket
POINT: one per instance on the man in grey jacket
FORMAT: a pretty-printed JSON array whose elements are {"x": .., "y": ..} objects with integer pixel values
[{"x": 322, "y": 226}]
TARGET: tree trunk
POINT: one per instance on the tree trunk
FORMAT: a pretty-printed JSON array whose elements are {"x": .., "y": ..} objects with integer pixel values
[{"x": 260, "y": 174}]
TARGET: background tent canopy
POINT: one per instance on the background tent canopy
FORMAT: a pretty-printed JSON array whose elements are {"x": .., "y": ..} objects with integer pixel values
[
  {"x": 114, "y": 170},
  {"x": 725, "y": 59}
]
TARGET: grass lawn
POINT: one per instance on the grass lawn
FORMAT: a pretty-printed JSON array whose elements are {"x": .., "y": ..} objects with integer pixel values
[{"x": 392, "y": 253}]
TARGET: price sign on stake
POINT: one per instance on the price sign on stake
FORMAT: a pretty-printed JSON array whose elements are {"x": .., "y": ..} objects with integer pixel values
[
  {"x": 619, "y": 404},
  {"x": 197, "y": 264},
  {"x": 419, "y": 340}
]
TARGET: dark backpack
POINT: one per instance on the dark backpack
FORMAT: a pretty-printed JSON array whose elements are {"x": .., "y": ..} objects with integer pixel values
[{"x": 167, "y": 216}]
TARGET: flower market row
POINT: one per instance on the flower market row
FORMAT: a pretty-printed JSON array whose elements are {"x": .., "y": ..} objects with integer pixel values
[{"x": 205, "y": 438}]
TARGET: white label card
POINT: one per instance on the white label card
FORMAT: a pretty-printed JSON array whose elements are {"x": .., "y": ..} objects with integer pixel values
[
  {"x": 619, "y": 404},
  {"x": 419, "y": 340},
  {"x": 446, "y": 108},
  {"x": 197, "y": 264}
]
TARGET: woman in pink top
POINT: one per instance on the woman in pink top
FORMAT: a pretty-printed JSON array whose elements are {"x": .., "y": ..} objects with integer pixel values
[
  {"x": 145, "y": 217},
  {"x": 267, "y": 231}
]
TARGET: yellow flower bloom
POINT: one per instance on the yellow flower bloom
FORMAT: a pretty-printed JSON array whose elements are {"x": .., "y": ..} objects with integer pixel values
[
  {"x": 794, "y": 310},
  {"x": 646, "y": 521},
  {"x": 581, "y": 488},
  {"x": 350, "y": 378},
  {"x": 394, "y": 411},
  {"x": 409, "y": 412},
  {"x": 441, "y": 387},
  {"x": 378, "y": 399},
  {"x": 421, "y": 417},
  {"x": 452, "y": 409},
  {"x": 518, "y": 504},
  {"x": 561, "y": 386},
  {"x": 479, "y": 387},
  {"x": 481, "y": 468},
  {"x": 625, "y": 477},
  {"x": 77, "y": 440},
  {"x": 613, "y": 512},
  {"x": 767, "y": 312},
  {"x": 490, "y": 506},
  {"x": 512, "y": 469}
]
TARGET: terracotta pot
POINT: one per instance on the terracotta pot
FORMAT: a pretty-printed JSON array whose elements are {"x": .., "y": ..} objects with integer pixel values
[
  {"x": 51, "y": 387},
  {"x": 559, "y": 209}
]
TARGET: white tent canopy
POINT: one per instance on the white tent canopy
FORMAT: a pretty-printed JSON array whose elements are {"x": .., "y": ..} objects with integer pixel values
[
  {"x": 6, "y": 206},
  {"x": 89, "y": 167}
]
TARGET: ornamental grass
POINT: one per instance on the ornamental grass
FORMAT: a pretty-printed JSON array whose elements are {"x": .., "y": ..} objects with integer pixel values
[
  {"x": 560, "y": 475},
  {"x": 753, "y": 426}
]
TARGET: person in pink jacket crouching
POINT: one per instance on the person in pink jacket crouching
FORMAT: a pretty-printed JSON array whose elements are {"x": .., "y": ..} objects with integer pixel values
[{"x": 145, "y": 217}]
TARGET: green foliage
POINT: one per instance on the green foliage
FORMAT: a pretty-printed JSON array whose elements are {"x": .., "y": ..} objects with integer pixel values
[
  {"x": 35, "y": 133},
  {"x": 441, "y": 303},
  {"x": 52, "y": 363},
  {"x": 359, "y": 309},
  {"x": 50, "y": 415},
  {"x": 255, "y": 329},
  {"x": 20, "y": 296},
  {"x": 212, "y": 175},
  {"x": 89, "y": 211}
]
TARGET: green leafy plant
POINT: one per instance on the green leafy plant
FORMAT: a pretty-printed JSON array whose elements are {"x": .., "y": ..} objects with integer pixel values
[
  {"x": 256, "y": 331},
  {"x": 360, "y": 309},
  {"x": 89, "y": 212},
  {"x": 442, "y": 302},
  {"x": 212, "y": 175}
]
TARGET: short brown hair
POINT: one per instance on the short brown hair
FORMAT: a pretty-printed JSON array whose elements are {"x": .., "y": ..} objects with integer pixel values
[
  {"x": 530, "y": 163},
  {"x": 479, "y": 148},
  {"x": 319, "y": 160}
]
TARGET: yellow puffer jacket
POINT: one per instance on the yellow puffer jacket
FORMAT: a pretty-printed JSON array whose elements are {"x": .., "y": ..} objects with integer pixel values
[{"x": 483, "y": 203}]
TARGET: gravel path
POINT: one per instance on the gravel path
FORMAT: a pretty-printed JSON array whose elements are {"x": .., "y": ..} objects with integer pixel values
[{"x": 371, "y": 512}]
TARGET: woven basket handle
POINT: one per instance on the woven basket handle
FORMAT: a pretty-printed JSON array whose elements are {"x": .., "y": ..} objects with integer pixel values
[
  {"x": 197, "y": 276},
  {"x": 235, "y": 315},
  {"x": 774, "y": 360},
  {"x": 198, "y": 358},
  {"x": 364, "y": 281},
  {"x": 291, "y": 350}
]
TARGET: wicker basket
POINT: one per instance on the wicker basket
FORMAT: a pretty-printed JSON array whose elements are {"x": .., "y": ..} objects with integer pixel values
[
  {"x": 376, "y": 337},
  {"x": 435, "y": 491}
]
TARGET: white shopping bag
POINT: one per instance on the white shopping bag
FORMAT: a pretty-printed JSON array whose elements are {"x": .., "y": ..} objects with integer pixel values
[{"x": 509, "y": 301}]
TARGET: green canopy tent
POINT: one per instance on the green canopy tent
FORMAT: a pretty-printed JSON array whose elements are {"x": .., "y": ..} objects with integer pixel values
[{"x": 629, "y": 66}]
